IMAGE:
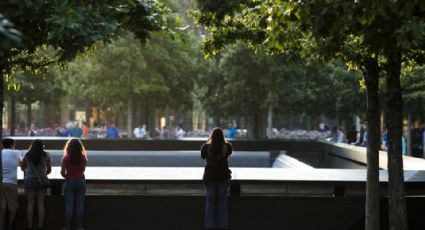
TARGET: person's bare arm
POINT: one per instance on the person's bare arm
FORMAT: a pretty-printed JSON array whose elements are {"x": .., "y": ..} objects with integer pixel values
[
  {"x": 84, "y": 165},
  {"x": 204, "y": 151},
  {"x": 63, "y": 170},
  {"x": 49, "y": 165},
  {"x": 23, "y": 164},
  {"x": 229, "y": 149}
]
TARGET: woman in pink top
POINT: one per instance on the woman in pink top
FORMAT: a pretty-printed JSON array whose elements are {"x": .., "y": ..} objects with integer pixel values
[{"x": 72, "y": 169}]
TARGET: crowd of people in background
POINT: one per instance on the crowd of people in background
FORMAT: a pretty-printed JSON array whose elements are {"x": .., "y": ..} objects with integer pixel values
[
  {"x": 111, "y": 131},
  {"x": 358, "y": 137}
]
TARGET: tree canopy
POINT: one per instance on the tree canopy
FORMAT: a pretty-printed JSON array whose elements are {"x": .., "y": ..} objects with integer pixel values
[
  {"x": 372, "y": 35},
  {"x": 163, "y": 69},
  {"x": 64, "y": 25},
  {"x": 240, "y": 82}
]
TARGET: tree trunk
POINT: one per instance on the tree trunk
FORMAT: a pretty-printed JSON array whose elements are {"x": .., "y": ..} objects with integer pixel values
[
  {"x": 2, "y": 88},
  {"x": 374, "y": 140},
  {"x": 308, "y": 118},
  {"x": 137, "y": 113},
  {"x": 29, "y": 112},
  {"x": 217, "y": 121},
  {"x": 146, "y": 116},
  {"x": 256, "y": 128},
  {"x": 409, "y": 134},
  {"x": 269, "y": 122},
  {"x": 129, "y": 117},
  {"x": 12, "y": 114},
  {"x": 394, "y": 106}
]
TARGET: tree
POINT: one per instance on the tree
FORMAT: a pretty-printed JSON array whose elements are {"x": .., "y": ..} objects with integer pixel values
[
  {"x": 210, "y": 90},
  {"x": 28, "y": 88},
  {"x": 73, "y": 26},
  {"x": 413, "y": 87},
  {"x": 384, "y": 32},
  {"x": 133, "y": 74},
  {"x": 241, "y": 82}
]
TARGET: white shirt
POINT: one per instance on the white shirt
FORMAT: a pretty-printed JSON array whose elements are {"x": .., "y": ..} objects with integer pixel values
[
  {"x": 180, "y": 133},
  {"x": 136, "y": 132},
  {"x": 139, "y": 132},
  {"x": 10, "y": 162}
]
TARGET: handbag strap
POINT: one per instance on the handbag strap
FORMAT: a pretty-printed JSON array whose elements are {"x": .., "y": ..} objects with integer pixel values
[{"x": 35, "y": 170}]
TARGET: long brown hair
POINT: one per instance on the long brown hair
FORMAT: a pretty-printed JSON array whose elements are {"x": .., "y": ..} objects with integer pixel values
[
  {"x": 217, "y": 143},
  {"x": 74, "y": 148},
  {"x": 36, "y": 152}
]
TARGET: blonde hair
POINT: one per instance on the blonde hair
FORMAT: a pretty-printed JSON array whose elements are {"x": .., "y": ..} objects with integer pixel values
[{"x": 75, "y": 150}]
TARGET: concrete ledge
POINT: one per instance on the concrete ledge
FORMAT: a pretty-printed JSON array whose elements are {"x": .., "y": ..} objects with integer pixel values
[
  {"x": 358, "y": 154},
  {"x": 177, "y": 145},
  {"x": 285, "y": 161},
  {"x": 249, "y": 212},
  {"x": 245, "y": 175},
  {"x": 245, "y": 181}
]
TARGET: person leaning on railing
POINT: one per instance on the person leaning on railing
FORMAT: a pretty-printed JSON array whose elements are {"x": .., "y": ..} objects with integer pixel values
[
  {"x": 216, "y": 179},
  {"x": 72, "y": 169},
  {"x": 10, "y": 160},
  {"x": 36, "y": 164}
]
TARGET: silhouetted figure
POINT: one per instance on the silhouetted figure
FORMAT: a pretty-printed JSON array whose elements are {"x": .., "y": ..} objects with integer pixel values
[
  {"x": 334, "y": 135},
  {"x": 352, "y": 135},
  {"x": 216, "y": 179},
  {"x": 385, "y": 139},
  {"x": 37, "y": 163},
  {"x": 72, "y": 169},
  {"x": 362, "y": 137},
  {"x": 164, "y": 133},
  {"x": 32, "y": 131}
]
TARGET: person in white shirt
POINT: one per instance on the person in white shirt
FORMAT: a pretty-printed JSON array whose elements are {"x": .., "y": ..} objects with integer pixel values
[
  {"x": 140, "y": 131},
  {"x": 180, "y": 132},
  {"x": 11, "y": 159},
  {"x": 136, "y": 131}
]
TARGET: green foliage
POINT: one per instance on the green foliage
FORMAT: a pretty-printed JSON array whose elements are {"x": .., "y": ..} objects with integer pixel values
[
  {"x": 31, "y": 88},
  {"x": 360, "y": 32},
  {"x": 351, "y": 31},
  {"x": 246, "y": 83},
  {"x": 380, "y": 26},
  {"x": 413, "y": 85},
  {"x": 71, "y": 27},
  {"x": 36, "y": 82},
  {"x": 163, "y": 69}
]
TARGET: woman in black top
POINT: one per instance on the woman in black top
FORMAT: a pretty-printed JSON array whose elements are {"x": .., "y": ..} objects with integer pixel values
[{"x": 216, "y": 179}]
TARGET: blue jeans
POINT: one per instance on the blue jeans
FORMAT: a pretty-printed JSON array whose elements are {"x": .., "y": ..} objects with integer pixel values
[
  {"x": 74, "y": 190},
  {"x": 216, "y": 213}
]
